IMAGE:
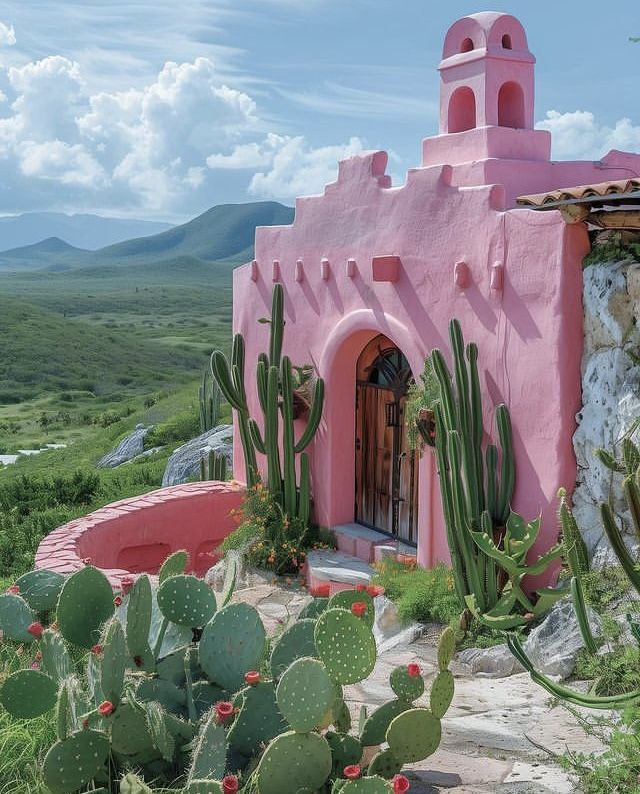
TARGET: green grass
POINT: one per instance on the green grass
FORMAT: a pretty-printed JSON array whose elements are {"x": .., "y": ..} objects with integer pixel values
[{"x": 420, "y": 594}]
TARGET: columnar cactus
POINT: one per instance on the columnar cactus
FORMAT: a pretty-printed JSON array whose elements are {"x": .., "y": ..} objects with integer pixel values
[
  {"x": 275, "y": 387},
  {"x": 488, "y": 543},
  {"x": 205, "y": 715},
  {"x": 209, "y": 401}
]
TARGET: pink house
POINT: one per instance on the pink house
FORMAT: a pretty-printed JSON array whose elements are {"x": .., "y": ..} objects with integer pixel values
[{"x": 372, "y": 274}]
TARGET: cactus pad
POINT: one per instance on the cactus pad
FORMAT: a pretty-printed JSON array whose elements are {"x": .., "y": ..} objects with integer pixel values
[
  {"x": 174, "y": 565},
  {"x": 446, "y": 648},
  {"x": 85, "y": 602},
  {"x": 345, "y": 750},
  {"x": 232, "y": 643},
  {"x": 209, "y": 751},
  {"x": 55, "y": 657},
  {"x": 384, "y": 764},
  {"x": 186, "y": 600},
  {"x": 314, "y": 609},
  {"x": 129, "y": 732},
  {"x": 305, "y": 694},
  {"x": 28, "y": 693},
  {"x": 341, "y": 716},
  {"x": 405, "y": 686},
  {"x": 15, "y": 618},
  {"x": 441, "y": 693},
  {"x": 131, "y": 784},
  {"x": 114, "y": 662},
  {"x": 206, "y": 694},
  {"x": 375, "y": 726},
  {"x": 203, "y": 787},
  {"x": 367, "y": 785},
  {"x": 414, "y": 735},
  {"x": 297, "y": 641},
  {"x": 258, "y": 721},
  {"x": 168, "y": 695},
  {"x": 139, "y": 611},
  {"x": 345, "y": 598},
  {"x": 345, "y": 645},
  {"x": 74, "y": 762},
  {"x": 294, "y": 761},
  {"x": 40, "y": 589}
]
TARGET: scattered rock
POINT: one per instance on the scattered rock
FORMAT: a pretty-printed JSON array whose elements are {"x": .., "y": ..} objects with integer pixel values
[
  {"x": 128, "y": 448},
  {"x": 145, "y": 454},
  {"x": 389, "y": 631},
  {"x": 494, "y": 662},
  {"x": 184, "y": 462},
  {"x": 552, "y": 646}
]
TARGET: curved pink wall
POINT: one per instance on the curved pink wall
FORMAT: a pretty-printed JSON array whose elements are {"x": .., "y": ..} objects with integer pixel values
[{"x": 136, "y": 535}]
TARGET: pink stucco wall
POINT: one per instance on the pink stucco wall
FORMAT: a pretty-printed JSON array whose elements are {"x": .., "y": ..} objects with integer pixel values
[
  {"x": 136, "y": 535},
  {"x": 457, "y": 206}
]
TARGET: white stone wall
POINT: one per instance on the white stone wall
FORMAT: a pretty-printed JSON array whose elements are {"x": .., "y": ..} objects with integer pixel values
[{"x": 610, "y": 392}]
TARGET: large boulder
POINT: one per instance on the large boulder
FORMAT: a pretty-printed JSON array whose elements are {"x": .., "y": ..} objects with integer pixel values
[
  {"x": 552, "y": 646},
  {"x": 184, "y": 463},
  {"x": 127, "y": 449},
  {"x": 610, "y": 395}
]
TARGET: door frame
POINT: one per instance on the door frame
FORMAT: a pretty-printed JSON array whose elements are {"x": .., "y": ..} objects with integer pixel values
[{"x": 375, "y": 361}]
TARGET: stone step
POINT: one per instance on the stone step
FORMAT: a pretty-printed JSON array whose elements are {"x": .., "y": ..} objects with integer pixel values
[
  {"x": 368, "y": 544},
  {"x": 336, "y": 569}
]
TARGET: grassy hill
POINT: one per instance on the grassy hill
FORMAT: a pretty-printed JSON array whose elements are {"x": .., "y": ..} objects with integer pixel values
[
  {"x": 43, "y": 352},
  {"x": 225, "y": 232}
]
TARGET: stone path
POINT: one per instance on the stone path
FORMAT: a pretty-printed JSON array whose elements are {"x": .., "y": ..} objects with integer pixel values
[{"x": 484, "y": 749}]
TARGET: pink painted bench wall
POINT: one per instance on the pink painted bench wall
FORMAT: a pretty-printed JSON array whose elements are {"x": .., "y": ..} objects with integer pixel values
[{"x": 136, "y": 535}]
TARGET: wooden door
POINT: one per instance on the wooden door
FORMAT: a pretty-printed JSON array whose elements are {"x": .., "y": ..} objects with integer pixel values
[{"x": 386, "y": 469}]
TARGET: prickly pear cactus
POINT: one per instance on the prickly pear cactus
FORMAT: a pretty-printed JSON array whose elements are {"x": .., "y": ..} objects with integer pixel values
[
  {"x": 345, "y": 645},
  {"x": 174, "y": 565},
  {"x": 345, "y": 751},
  {"x": 41, "y": 589},
  {"x": 446, "y": 648},
  {"x": 407, "y": 685},
  {"x": 75, "y": 761},
  {"x": 56, "y": 661},
  {"x": 375, "y": 726},
  {"x": 305, "y": 694},
  {"x": 441, "y": 693},
  {"x": 314, "y": 609},
  {"x": 258, "y": 721},
  {"x": 139, "y": 612},
  {"x": 85, "y": 602},
  {"x": 203, "y": 787},
  {"x": 131, "y": 784},
  {"x": 384, "y": 764},
  {"x": 414, "y": 735},
  {"x": 367, "y": 785},
  {"x": 345, "y": 599},
  {"x": 15, "y": 618},
  {"x": 114, "y": 661},
  {"x": 186, "y": 600},
  {"x": 209, "y": 752},
  {"x": 294, "y": 643},
  {"x": 231, "y": 645},
  {"x": 28, "y": 693},
  {"x": 294, "y": 761}
]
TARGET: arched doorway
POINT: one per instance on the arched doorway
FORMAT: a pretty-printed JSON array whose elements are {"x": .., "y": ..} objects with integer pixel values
[{"x": 386, "y": 493}]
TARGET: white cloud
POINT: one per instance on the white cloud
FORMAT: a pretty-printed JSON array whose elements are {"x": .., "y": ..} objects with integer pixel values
[
  {"x": 7, "y": 35},
  {"x": 577, "y": 135},
  {"x": 297, "y": 169},
  {"x": 163, "y": 149}
]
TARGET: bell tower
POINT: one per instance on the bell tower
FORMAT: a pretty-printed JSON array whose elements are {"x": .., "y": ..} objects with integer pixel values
[{"x": 486, "y": 93}]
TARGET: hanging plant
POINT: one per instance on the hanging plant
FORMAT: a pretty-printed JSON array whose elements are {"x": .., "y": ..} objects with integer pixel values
[{"x": 420, "y": 418}]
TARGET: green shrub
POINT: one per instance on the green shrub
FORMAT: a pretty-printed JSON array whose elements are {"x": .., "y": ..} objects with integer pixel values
[
  {"x": 269, "y": 538},
  {"x": 420, "y": 594},
  {"x": 179, "y": 428},
  {"x": 20, "y": 535},
  {"x": 613, "y": 673},
  {"x": 29, "y": 493}
]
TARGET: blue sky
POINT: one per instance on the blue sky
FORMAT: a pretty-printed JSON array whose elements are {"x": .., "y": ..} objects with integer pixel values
[{"x": 161, "y": 109}]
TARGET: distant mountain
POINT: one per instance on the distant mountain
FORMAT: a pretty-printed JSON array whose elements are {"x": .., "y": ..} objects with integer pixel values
[
  {"x": 225, "y": 232},
  {"x": 51, "y": 253},
  {"x": 80, "y": 230}
]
